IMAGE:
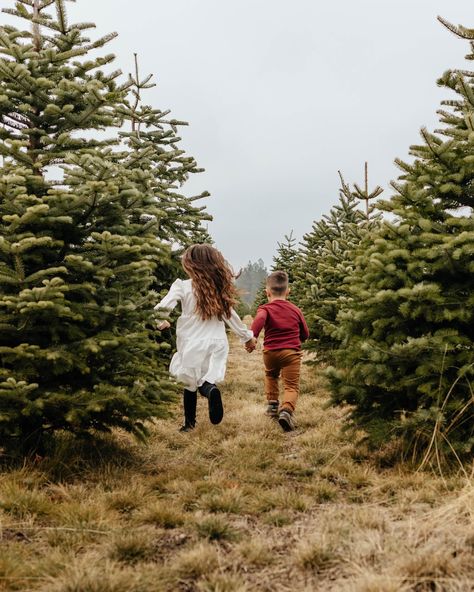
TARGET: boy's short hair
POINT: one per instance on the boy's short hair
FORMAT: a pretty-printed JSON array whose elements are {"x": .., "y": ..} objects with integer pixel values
[{"x": 277, "y": 283}]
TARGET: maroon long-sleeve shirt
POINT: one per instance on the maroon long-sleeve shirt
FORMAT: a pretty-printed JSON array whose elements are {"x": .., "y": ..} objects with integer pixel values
[{"x": 284, "y": 324}]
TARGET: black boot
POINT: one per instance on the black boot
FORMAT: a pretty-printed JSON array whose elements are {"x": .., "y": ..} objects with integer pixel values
[
  {"x": 189, "y": 404},
  {"x": 213, "y": 395}
]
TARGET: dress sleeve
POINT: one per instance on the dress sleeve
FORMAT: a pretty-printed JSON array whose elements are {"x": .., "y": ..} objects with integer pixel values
[
  {"x": 238, "y": 327},
  {"x": 175, "y": 295}
]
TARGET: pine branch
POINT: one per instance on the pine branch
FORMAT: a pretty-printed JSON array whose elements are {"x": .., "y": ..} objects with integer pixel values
[
  {"x": 36, "y": 27},
  {"x": 135, "y": 124},
  {"x": 19, "y": 268},
  {"x": 468, "y": 73},
  {"x": 62, "y": 16},
  {"x": 459, "y": 31},
  {"x": 17, "y": 13},
  {"x": 467, "y": 91},
  {"x": 102, "y": 41},
  {"x": 17, "y": 117},
  {"x": 13, "y": 124},
  {"x": 84, "y": 26}
]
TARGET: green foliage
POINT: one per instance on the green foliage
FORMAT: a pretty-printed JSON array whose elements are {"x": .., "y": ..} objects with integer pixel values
[
  {"x": 80, "y": 253},
  {"x": 326, "y": 264},
  {"x": 285, "y": 259},
  {"x": 406, "y": 360}
]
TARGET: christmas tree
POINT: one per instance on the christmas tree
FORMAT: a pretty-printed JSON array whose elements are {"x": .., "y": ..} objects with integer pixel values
[
  {"x": 406, "y": 360},
  {"x": 285, "y": 259},
  {"x": 286, "y": 256},
  {"x": 89, "y": 210},
  {"x": 327, "y": 261}
]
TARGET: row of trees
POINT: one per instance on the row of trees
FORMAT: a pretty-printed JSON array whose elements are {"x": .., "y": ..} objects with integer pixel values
[
  {"x": 390, "y": 299},
  {"x": 91, "y": 216}
]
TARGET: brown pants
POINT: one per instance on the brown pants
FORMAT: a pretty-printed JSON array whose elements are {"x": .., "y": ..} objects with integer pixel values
[{"x": 288, "y": 363}]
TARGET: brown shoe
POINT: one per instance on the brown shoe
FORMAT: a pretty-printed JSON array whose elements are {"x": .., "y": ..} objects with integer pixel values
[
  {"x": 285, "y": 419},
  {"x": 272, "y": 409}
]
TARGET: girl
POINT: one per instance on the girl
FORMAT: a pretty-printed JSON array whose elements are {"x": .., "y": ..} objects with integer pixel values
[{"x": 206, "y": 301}]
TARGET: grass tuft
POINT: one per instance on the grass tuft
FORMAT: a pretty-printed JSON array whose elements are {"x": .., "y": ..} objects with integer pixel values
[
  {"x": 230, "y": 501},
  {"x": 200, "y": 560},
  {"x": 133, "y": 547},
  {"x": 216, "y": 528},
  {"x": 22, "y": 503},
  {"x": 218, "y": 582},
  {"x": 316, "y": 555},
  {"x": 99, "y": 577},
  {"x": 161, "y": 514}
]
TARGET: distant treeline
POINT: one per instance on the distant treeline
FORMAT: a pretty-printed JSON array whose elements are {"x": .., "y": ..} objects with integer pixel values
[{"x": 250, "y": 280}]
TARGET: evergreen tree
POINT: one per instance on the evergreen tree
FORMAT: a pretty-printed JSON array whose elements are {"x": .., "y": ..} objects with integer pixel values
[
  {"x": 286, "y": 256},
  {"x": 327, "y": 261},
  {"x": 285, "y": 259},
  {"x": 79, "y": 254},
  {"x": 154, "y": 141},
  {"x": 406, "y": 361},
  {"x": 154, "y": 136}
]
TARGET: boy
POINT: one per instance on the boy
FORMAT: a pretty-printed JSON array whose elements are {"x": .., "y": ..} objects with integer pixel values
[{"x": 285, "y": 329}]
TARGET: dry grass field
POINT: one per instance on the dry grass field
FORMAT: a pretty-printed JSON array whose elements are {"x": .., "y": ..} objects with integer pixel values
[{"x": 237, "y": 507}]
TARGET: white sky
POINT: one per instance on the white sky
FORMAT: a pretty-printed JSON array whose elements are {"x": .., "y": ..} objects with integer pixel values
[{"x": 281, "y": 94}]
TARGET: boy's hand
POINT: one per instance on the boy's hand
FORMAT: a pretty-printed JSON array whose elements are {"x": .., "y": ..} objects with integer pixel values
[
  {"x": 163, "y": 325},
  {"x": 250, "y": 345}
]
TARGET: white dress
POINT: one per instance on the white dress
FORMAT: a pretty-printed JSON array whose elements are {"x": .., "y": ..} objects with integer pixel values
[{"x": 202, "y": 345}]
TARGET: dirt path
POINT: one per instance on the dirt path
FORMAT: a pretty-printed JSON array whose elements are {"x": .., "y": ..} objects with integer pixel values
[{"x": 238, "y": 507}]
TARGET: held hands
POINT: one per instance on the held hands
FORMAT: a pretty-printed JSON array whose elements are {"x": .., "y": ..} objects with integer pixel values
[
  {"x": 250, "y": 345},
  {"x": 163, "y": 325}
]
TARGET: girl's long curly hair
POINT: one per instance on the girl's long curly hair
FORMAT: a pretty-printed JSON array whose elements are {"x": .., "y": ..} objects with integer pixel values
[{"x": 213, "y": 281}]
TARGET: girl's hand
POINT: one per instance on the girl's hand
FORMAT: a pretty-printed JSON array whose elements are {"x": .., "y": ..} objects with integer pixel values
[{"x": 163, "y": 325}]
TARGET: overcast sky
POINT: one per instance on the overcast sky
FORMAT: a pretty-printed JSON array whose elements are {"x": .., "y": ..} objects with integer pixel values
[{"x": 280, "y": 94}]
